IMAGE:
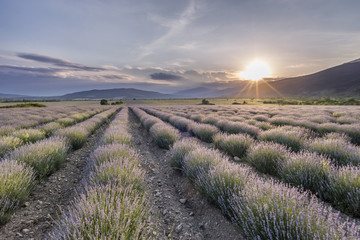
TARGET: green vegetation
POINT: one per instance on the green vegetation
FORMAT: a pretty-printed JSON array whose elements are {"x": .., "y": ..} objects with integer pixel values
[
  {"x": 44, "y": 156},
  {"x": 314, "y": 101},
  {"x": 119, "y": 102},
  {"x": 16, "y": 182},
  {"x": 206, "y": 102},
  {"x": 104, "y": 102},
  {"x": 234, "y": 144},
  {"x": 24, "y": 105},
  {"x": 164, "y": 135},
  {"x": 257, "y": 101}
]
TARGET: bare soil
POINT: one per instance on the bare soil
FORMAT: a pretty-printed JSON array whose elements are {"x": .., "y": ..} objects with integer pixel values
[
  {"x": 178, "y": 209},
  {"x": 36, "y": 217}
]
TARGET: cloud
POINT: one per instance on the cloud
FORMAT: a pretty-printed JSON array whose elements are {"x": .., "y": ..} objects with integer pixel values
[
  {"x": 24, "y": 83},
  {"x": 175, "y": 26},
  {"x": 57, "y": 62},
  {"x": 113, "y": 76},
  {"x": 29, "y": 69},
  {"x": 192, "y": 72},
  {"x": 165, "y": 76}
]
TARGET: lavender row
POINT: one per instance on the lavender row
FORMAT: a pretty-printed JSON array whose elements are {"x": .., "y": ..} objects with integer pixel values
[
  {"x": 338, "y": 185},
  {"x": 278, "y": 115},
  {"x": 18, "y": 173},
  {"x": 315, "y": 220},
  {"x": 336, "y": 146},
  {"x": 164, "y": 134},
  {"x": 262, "y": 209},
  {"x": 114, "y": 204},
  {"x": 319, "y": 122},
  {"x": 118, "y": 131},
  {"x": 78, "y": 133},
  {"x": 24, "y": 136},
  {"x": 14, "y": 119}
]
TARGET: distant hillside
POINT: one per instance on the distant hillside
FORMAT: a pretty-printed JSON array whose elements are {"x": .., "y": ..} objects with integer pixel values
[
  {"x": 213, "y": 90},
  {"x": 116, "y": 93},
  {"x": 339, "y": 81},
  {"x": 198, "y": 92},
  {"x": 6, "y": 95}
]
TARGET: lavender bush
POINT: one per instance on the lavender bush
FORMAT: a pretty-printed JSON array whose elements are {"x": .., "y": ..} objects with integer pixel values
[
  {"x": 16, "y": 182},
  {"x": 222, "y": 181},
  {"x": 324, "y": 128},
  {"x": 238, "y": 127},
  {"x": 205, "y": 132},
  {"x": 29, "y": 135},
  {"x": 267, "y": 157},
  {"x": 234, "y": 144},
  {"x": 281, "y": 121},
  {"x": 76, "y": 135},
  {"x": 119, "y": 172},
  {"x": 180, "y": 149},
  {"x": 309, "y": 171},
  {"x": 113, "y": 151},
  {"x": 353, "y": 131},
  {"x": 270, "y": 210},
  {"x": 345, "y": 190},
  {"x": 201, "y": 160},
  {"x": 343, "y": 152},
  {"x": 180, "y": 123},
  {"x": 65, "y": 122},
  {"x": 116, "y": 134},
  {"x": 149, "y": 121},
  {"x": 337, "y": 136},
  {"x": 44, "y": 156},
  {"x": 8, "y": 143},
  {"x": 197, "y": 118},
  {"x": 264, "y": 125},
  {"x": 7, "y": 129},
  {"x": 49, "y": 128},
  {"x": 164, "y": 135},
  {"x": 105, "y": 212},
  {"x": 210, "y": 120},
  {"x": 292, "y": 137}
]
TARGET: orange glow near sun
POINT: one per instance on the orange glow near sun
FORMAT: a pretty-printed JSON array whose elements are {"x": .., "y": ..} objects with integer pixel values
[{"x": 255, "y": 71}]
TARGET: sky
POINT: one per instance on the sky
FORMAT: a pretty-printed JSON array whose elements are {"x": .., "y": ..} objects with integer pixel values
[{"x": 60, "y": 46}]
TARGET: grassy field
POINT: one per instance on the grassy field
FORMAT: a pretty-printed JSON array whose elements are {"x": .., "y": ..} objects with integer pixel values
[
  {"x": 56, "y": 103},
  {"x": 270, "y": 169},
  {"x": 252, "y": 101}
]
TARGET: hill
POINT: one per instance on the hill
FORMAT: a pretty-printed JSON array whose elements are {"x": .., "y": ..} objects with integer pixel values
[
  {"x": 9, "y": 96},
  {"x": 338, "y": 81},
  {"x": 116, "y": 93},
  {"x": 198, "y": 92}
]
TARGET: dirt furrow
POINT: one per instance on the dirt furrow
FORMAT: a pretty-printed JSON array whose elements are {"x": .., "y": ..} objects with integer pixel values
[
  {"x": 178, "y": 208},
  {"x": 35, "y": 218}
]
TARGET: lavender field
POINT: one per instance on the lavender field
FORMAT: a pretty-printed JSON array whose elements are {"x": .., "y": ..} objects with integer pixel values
[{"x": 147, "y": 171}]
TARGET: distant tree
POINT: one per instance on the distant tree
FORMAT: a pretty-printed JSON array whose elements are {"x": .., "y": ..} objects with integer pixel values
[
  {"x": 119, "y": 102},
  {"x": 244, "y": 102},
  {"x": 104, "y": 102},
  {"x": 205, "y": 101}
]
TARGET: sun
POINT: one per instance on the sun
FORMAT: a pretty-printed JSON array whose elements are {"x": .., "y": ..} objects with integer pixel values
[{"x": 255, "y": 71}]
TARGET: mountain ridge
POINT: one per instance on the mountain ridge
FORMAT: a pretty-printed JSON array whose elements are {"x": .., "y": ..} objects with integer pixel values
[{"x": 338, "y": 81}]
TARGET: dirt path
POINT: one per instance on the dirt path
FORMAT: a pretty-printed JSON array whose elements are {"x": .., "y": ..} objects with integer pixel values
[
  {"x": 178, "y": 209},
  {"x": 36, "y": 217}
]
